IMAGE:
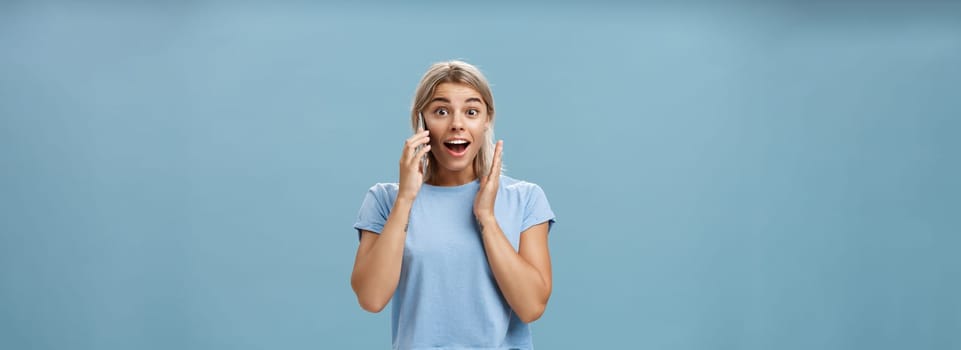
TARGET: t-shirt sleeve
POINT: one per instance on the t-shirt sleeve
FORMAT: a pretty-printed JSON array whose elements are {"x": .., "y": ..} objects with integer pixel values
[
  {"x": 373, "y": 211},
  {"x": 538, "y": 210}
]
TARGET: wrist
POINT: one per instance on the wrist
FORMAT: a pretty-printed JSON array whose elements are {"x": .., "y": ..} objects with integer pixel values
[
  {"x": 486, "y": 220},
  {"x": 404, "y": 199}
]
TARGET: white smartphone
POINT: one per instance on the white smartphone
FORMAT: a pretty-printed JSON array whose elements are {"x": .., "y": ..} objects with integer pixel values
[{"x": 420, "y": 127}]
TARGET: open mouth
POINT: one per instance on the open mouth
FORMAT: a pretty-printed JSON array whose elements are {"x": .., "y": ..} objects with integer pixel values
[{"x": 458, "y": 147}]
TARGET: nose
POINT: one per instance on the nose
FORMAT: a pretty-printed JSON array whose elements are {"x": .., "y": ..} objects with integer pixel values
[{"x": 458, "y": 121}]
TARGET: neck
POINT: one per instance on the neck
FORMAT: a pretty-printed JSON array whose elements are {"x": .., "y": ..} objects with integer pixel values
[{"x": 444, "y": 177}]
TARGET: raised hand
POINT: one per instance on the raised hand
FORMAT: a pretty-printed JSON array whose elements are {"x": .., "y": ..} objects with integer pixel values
[
  {"x": 484, "y": 201},
  {"x": 411, "y": 173}
]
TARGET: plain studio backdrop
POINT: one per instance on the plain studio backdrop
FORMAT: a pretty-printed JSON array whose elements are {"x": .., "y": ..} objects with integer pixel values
[{"x": 777, "y": 175}]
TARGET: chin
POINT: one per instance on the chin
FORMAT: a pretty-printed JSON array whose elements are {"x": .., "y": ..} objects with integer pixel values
[
  {"x": 458, "y": 165},
  {"x": 456, "y": 168}
]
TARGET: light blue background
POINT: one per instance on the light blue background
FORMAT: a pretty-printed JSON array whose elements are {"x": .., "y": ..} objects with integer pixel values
[{"x": 740, "y": 176}]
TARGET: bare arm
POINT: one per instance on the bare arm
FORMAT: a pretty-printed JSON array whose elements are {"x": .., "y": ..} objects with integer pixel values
[
  {"x": 378, "y": 261},
  {"x": 524, "y": 276}
]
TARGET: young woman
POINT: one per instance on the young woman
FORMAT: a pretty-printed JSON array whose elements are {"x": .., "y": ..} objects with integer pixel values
[{"x": 459, "y": 249}]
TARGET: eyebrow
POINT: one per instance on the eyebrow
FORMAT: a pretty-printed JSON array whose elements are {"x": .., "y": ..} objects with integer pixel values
[{"x": 445, "y": 100}]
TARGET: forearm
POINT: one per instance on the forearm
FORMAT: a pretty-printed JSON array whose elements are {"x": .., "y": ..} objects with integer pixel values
[
  {"x": 525, "y": 289},
  {"x": 377, "y": 271}
]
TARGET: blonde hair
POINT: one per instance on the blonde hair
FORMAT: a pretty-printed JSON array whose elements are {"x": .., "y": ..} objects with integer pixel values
[{"x": 458, "y": 72}]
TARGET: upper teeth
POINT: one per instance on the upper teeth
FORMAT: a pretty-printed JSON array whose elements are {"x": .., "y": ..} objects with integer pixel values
[{"x": 457, "y": 142}]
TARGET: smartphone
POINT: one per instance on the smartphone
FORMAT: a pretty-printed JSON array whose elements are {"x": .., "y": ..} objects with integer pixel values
[{"x": 421, "y": 126}]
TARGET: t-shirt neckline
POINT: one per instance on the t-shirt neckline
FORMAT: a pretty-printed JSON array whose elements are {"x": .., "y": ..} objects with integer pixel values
[{"x": 466, "y": 186}]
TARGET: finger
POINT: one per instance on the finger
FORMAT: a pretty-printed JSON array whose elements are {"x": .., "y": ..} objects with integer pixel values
[
  {"x": 425, "y": 141},
  {"x": 410, "y": 146},
  {"x": 416, "y": 135},
  {"x": 413, "y": 138},
  {"x": 420, "y": 154},
  {"x": 496, "y": 166}
]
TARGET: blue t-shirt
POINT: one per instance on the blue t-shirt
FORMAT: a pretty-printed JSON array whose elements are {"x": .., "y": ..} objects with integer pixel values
[{"x": 447, "y": 297}]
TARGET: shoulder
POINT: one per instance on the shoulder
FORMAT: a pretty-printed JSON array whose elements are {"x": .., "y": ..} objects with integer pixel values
[
  {"x": 520, "y": 187},
  {"x": 384, "y": 190},
  {"x": 529, "y": 199}
]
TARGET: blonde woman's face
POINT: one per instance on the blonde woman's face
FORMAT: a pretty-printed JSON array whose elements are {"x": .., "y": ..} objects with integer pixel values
[{"x": 457, "y": 118}]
